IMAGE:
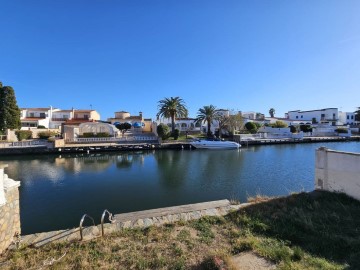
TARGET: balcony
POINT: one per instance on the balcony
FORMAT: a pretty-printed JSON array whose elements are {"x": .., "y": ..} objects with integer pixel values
[
  {"x": 59, "y": 119},
  {"x": 36, "y": 117},
  {"x": 81, "y": 118},
  {"x": 328, "y": 119}
]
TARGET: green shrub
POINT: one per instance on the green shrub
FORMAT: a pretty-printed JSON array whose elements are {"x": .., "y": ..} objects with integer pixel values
[
  {"x": 102, "y": 135},
  {"x": 46, "y": 134},
  {"x": 176, "y": 134},
  {"x": 87, "y": 135},
  {"x": 250, "y": 126},
  {"x": 163, "y": 131},
  {"x": 341, "y": 130},
  {"x": 305, "y": 128},
  {"x": 40, "y": 126},
  {"x": 23, "y": 134},
  {"x": 94, "y": 135},
  {"x": 293, "y": 129},
  {"x": 279, "y": 124}
]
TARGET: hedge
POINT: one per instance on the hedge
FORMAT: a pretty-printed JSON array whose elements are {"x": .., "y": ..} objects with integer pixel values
[{"x": 23, "y": 134}]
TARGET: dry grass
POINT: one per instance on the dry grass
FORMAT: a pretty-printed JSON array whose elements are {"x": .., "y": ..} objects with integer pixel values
[
  {"x": 175, "y": 246},
  {"x": 302, "y": 231}
]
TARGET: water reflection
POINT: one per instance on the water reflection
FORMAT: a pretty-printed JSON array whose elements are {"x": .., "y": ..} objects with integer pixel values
[{"x": 132, "y": 181}]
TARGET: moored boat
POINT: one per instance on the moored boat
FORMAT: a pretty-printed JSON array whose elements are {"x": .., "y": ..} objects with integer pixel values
[{"x": 203, "y": 144}]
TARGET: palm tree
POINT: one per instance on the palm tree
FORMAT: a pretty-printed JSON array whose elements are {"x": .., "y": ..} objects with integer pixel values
[
  {"x": 171, "y": 108},
  {"x": 206, "y": 114},
  {"x": 272, "y": 112}
]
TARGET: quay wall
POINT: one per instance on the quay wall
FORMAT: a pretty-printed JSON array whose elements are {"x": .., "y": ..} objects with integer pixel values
[
  {"x": 140, "y": 219},
  {"x": 60, "y": 147},
  {"x": 338, "y": 171},
  {"x": 9, "y": 210}
]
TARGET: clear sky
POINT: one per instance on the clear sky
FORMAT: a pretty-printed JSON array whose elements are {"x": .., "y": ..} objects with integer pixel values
[{"x": 127, "y": 55}]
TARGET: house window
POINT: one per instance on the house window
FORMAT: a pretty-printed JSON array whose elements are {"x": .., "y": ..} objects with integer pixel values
[
  {"x": 86, "y": 116},
  {"x": 32, "y": 114},
  {"x": 42, "y": 115},
  {"x": 183, "y": 125},
  {"x": 297, "y": 117},
  {"x": 352, "y": 117},
  {"x": 347, "y": 117},
  {"x": 302, "y": 116}
]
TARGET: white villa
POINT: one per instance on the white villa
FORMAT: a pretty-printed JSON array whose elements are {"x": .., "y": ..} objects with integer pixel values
[
  {"x": 323, "y": 116},
  {"x": 53, "y": 118},
  {"x": 347, "y": 118},
  {"x": 183, "y": 124},
  {"x": 34, "y": 117}
]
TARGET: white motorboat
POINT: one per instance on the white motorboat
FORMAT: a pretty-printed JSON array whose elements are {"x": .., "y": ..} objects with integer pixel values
[{"x": 203, "y": 144}]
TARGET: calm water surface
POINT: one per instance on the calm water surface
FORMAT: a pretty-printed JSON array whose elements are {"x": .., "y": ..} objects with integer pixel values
[{"x": 57, "y": 190}]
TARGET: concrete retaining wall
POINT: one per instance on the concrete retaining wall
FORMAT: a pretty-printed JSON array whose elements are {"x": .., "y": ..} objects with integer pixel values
[
  {"x": 338, "y": 171},
  {"x": 9, "y": 210}
]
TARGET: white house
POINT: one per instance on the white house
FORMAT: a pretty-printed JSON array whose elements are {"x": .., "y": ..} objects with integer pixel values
[
  {"x": 324, "y": 116},
  {"x": 55, "y": 118},
  {"x": 253, "y": 115},
  {"x": 183, "y": 124},
  {"x": 34, "y": 117},
  {"x": 347, "y": 118}
]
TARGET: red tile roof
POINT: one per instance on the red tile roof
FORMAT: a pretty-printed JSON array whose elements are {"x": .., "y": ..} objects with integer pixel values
[{"x": 32, "y": 119}]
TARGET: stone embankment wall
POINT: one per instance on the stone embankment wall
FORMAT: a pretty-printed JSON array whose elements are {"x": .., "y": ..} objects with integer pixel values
[
  {"x": 338, "y": 171},
  {"x": 9, "y": 210},
  {"x": 141, "y": 219}
]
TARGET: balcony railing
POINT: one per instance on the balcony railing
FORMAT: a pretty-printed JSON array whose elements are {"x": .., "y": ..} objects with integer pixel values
[
  {"x": 39, "y": 116},
  {"x": 328, "y": 119},
  {"x": 59, "y": 119},
  {"x": 81, "y": 118}
]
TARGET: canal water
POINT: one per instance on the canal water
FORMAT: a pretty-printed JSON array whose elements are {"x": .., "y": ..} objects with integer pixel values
[{"x": 56, "y": 190}]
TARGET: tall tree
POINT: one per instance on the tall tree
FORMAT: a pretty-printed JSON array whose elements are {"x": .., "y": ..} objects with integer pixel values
[
  {"x": 235, "y": 121},
  {"x": 172, "y": 108},
  {"x": 357, "y": 114},
  {"x": 206, "y": 114},
  {"x": 272, "y": 112},
  {"x": 9, "y": 110}
]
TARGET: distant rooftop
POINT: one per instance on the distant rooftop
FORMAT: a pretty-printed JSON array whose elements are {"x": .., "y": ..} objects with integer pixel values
[
  {"x": 319, "y": 110},
  {"x": 36, "y": 109}
]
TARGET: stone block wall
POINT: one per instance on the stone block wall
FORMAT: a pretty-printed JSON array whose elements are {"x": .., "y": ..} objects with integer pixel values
[{"x": 9, "y": 210}]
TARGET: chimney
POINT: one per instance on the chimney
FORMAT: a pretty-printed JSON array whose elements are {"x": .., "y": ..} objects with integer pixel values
[{"x": 140, "y": 114}]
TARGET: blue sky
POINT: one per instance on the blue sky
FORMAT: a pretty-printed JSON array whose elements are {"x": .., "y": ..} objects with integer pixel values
[{"x": 127, "y": 55}]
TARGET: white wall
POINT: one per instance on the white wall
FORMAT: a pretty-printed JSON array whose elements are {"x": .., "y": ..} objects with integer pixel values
[
  {"x": 338, "y": 171},
  {"x": 347, "y": 118},
  {"x": 319, "y": 115}
]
